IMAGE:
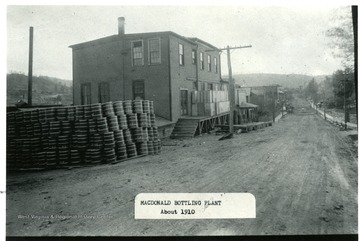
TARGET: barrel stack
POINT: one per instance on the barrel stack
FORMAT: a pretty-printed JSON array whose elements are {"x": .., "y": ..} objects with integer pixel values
[{"x": 81, "y": 135}]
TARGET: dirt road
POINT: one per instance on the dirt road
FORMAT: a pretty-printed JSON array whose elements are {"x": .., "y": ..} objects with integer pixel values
[{"x": 302, "y": 171}]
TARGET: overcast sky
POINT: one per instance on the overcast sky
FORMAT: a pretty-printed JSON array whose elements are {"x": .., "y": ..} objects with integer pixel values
[{"x": 285, "y": 40}]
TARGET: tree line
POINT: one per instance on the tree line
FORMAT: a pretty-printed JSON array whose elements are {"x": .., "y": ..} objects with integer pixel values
[{"x": 340, "y": 89}]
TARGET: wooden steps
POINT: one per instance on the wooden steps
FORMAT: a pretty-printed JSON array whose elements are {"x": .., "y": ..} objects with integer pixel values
[{"x": 185, "y": 128}]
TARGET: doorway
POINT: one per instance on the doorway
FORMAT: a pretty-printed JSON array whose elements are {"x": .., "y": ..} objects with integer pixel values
[{"x": 184, "y": 102}]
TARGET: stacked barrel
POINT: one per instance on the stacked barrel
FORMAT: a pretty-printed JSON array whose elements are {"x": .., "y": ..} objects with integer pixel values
[{"x": 81, "y": 135}]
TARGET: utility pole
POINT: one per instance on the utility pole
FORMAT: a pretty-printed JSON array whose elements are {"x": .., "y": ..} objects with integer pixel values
[
  {"x": 231, "y": 92},
  {"x": 344, "y": 104},
  {"x": 30, "y": 66}
]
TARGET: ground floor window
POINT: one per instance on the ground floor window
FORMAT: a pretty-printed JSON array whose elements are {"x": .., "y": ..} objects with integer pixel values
[
  {"x": 104, "y": 92},
  {"x": 86, "y": 94},
  {"x": 139, "y": 89}
]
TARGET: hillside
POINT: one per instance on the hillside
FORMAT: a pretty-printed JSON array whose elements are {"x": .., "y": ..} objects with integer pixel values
[
  {"x": 45, "y": 89},
  {"x": 288, "y": 81}
]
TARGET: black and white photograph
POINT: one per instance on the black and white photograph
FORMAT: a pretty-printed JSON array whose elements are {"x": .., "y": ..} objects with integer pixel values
[{"x": 181, "y": 120}]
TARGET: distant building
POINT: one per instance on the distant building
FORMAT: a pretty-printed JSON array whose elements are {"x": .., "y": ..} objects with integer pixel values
[
  {"x": 160, "y": 66},
  {"x": 264, "y": 96}
]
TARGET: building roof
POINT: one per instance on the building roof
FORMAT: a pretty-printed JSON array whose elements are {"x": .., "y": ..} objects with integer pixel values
[
  {"x": 246, "y": 105},
  {"x": 204, "y": 43},
  {"x": 117, "y": 37}
]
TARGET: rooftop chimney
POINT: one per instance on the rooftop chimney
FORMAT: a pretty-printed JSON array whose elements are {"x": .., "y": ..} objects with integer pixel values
[{"x": 121, "y": 25}]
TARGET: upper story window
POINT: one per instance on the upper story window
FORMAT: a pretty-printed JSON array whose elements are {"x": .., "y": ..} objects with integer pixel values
[
  {"x": 193, "y": 57},
  {"x": 181, "y": 54},
  {"x": 154, "y": 51},
  {"x": 216, "y": 65},
  {"x": 201, "y": 60},
  {"x": 137, "y": 53},
  {"x": 209, "y": 63}
]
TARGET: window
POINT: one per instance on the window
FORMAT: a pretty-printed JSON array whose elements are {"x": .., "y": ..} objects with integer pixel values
[
  {"x": 203, "y": 85},
  {"x": 209, "y": 63},
  {"x": 86, "y": 94},
  {"x": 210, "y": 86},
  {"x": 181, "y": 54},
  {"x": 104, "y": 92},
  {"x": 154, "y": 51},
  {"x": 201, "y": 60},
  {"x": 139, "y": 89},
  {"x": 137, "y": 53},
  {"x": 193, "y": 57},
  {"x": 216, "y": 65}
]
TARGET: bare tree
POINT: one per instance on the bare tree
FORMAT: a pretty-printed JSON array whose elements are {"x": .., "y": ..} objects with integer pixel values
[{"x": 341, "y": 36}]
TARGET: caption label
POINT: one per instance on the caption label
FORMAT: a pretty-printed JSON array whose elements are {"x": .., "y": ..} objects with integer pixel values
[{"x": 195, "y": 205}]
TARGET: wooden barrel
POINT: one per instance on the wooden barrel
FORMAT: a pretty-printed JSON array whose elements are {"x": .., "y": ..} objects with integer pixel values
[
  {"x": 95, "y": 141},
  {"x": 150, "y": 146},
  {"x": 92, "y": 127},
  {"x": 131, "y": 150},
  {"x": 66, "y": 127},
  {"x": 96, "y": 111},
  {"x": 137, "y": 135},
  {"x": 63, "y": 141},
  {"x": 108, "y": 140},
  {"x": 152, "y": 120},
  {"x": 42, "y": 115},
  {"x": 122, "y": 120},
  {"x": 102, "y": 125},
  {"x": 93, "y": 156},
  {"x": 81, "y": 141},
  {"x": 61, "y": 113},
  {"x": 79, "y": 112},
  {"x": 41, "y": 159},
  {"x": 118, "y": 108},
  {"x": 145, "y": 134},
  {"x": 141, "y": 148},
  {"x": 70, "y": 113},
  {"x": 143, "y": 120},
  {"x": 132, "y": 121},
  {"x": 127, "y": 136},
  {"x": 151, "y": 103},
  {"x": 87, "y": 111},
  {"x": 63, "y": 156},
  {"x": 36, "y": 130},
  {"x": 108, "y": 109},
  {"x": 113, "y": 123},
  {"x": 34, "y": 116},
  {"x": 119, "y": 136},
  {"x": 155, "y": 132},
  {"x": 137, "y": 106},
  {"x": 146, "y": 106},
  {"x": 158, "y": 146},
  {"x": 50, "y": 114},
  {"x": 128, "y": 107},
  {"x": 27, "y": 116},
  {"x": 19, "y": 117},
  {"x": 55, "y": 127},
  {"x": 51, "y": 158},
  {"x": 120, "y": 150},
  {"x": 108, "y": 155},
  {"x": 74, "y": 157},
  {"x": 45, "y": 131}
]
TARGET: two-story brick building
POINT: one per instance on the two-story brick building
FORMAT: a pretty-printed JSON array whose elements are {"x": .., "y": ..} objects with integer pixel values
[{"x": 160, "y": 66}]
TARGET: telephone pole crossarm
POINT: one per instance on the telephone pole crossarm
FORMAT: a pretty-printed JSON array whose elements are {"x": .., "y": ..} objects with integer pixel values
[{"x": 237, "y": 47}]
